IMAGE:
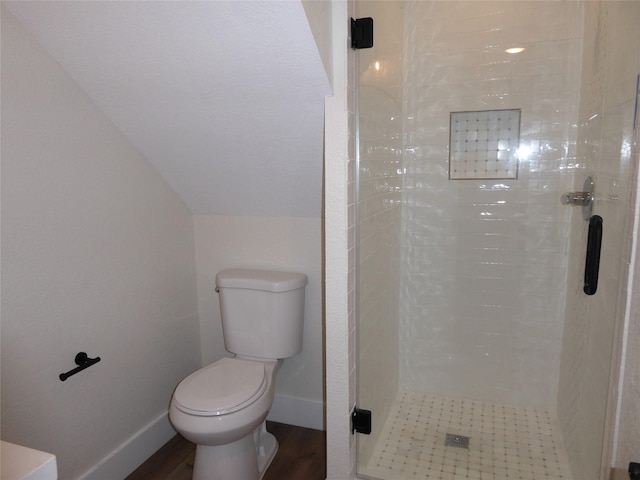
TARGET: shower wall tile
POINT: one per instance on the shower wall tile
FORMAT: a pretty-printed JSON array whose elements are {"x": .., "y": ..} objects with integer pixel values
[{"x": 485, "y": 261}]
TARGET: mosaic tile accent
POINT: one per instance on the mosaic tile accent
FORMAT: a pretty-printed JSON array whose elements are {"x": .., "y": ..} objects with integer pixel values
[
  {"x": 484, "y": 145},
  {"x": 506, "y": 442}
]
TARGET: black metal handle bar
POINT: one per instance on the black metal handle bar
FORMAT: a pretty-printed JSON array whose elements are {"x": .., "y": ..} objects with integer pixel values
[
  {"x": 592, "y": 261},
  {"x": 83, "y": 361}
]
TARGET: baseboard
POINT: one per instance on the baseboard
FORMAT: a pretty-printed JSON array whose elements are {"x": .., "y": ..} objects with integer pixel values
[
  {"x": 132, "y": 453},
  {"x": 146, "y": 441},
  {"x": 297, "y": 411}
]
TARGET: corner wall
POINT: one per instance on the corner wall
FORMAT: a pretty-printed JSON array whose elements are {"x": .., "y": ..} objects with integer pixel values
[
  {"x": 280, "y": 243},
  {"x": 97, "y": 256},
  {"x": 339, "y": 246}
]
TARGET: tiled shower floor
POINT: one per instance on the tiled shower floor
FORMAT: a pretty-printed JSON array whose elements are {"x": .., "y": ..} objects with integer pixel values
[{"x": 506, "y": 442}]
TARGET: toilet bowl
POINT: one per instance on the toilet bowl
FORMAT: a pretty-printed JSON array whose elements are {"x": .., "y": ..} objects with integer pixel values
[
  {"x": 225, "y": 405},
  {"x": 222, "y": 407}
]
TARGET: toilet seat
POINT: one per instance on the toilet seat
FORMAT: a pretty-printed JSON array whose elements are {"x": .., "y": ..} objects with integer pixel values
[{"x": 224, "y": 387}]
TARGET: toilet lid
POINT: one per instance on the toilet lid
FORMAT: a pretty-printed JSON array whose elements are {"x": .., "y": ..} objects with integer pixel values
[{"x": 223, "y": 387}]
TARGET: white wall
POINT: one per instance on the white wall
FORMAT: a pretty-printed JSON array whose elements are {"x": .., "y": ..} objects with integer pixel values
[
  {"x": 339, "y": 247},
  {"x": 319, "y": 17},
  {"x": 98, "y": 256},
  {"x": 228, "y": 98},
  {"x": 280, "y": 243}
]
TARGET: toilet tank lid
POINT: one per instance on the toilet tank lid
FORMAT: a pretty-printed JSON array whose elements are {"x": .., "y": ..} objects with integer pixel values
[{"x": 256, "y": 279}]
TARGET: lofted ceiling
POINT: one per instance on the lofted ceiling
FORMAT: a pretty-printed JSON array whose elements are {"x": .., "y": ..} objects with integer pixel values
[{"x": 224, "y": 98}]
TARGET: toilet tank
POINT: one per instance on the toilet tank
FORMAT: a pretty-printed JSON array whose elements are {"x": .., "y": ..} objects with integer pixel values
[{"x": 262, "y": 311}]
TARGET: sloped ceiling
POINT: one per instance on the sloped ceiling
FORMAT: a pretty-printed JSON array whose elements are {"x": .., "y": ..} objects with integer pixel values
[{"x": 225, "y": 98}]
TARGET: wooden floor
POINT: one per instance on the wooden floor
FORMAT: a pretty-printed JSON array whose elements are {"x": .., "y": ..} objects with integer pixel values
[
  {"x": 619, "y": 474},
  {"x": 301, "y": 456}
]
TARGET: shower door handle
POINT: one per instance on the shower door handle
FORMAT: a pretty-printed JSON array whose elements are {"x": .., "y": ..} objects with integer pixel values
[{"x": 592, "y": 261}]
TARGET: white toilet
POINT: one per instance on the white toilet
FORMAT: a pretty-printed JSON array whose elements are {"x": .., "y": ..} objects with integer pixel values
[{"x": 222, "y": 407}]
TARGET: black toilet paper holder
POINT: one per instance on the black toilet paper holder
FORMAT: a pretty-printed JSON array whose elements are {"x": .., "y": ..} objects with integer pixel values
[{"x": 83, "y": 361}]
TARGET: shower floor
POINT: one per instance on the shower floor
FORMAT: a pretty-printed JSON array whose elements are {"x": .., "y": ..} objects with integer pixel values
[{"x": 506, "y": 442}]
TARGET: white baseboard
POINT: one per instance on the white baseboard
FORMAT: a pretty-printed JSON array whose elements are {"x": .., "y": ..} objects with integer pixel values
[
  {"x": 297, "y": 411},
  {"x": 146, "y": 441},
  {"x": 132, "y": 453}
]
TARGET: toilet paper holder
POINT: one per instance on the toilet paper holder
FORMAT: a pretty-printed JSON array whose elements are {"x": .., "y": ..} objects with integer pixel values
[{"x": 83, "y": 361}]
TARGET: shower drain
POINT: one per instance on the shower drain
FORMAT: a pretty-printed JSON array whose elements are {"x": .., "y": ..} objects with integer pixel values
[{"x": 459, "y": 441}]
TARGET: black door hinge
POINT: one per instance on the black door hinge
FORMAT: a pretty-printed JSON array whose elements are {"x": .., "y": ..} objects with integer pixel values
[
  {"x": 362, "y": 33},
  {"x": 361, "y": 421}
]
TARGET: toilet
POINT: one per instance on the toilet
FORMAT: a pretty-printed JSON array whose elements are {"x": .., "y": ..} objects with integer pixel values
[{"x": 222, "y": 407}]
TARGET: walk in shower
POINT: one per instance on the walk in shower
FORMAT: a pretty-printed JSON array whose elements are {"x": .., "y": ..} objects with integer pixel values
[{"x": 479, "y": 354}]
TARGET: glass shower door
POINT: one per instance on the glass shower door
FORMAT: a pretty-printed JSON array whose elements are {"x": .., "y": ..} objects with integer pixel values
[
  {"x": 379, "y": 183},
  {"x": 468, "y": 117}
]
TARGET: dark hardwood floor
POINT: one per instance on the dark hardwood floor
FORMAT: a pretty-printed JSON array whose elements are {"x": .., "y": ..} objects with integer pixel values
[{"x": 301, "y": 456}]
